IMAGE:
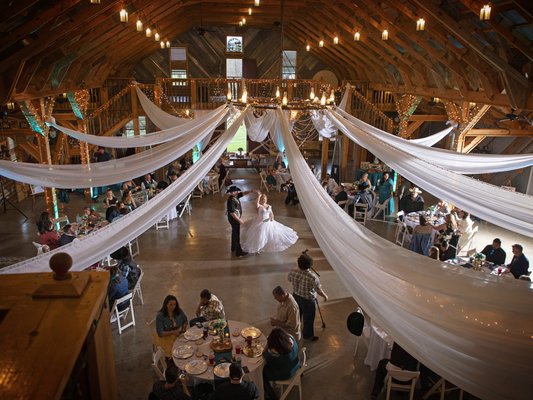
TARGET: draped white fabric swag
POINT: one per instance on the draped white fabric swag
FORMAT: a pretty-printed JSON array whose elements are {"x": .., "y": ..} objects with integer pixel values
[
  {"x": 97, "y": 245},
  {"x": 258, "y": 127},
  {"x": 462, "y": 163},
  {"x": 472, "y": 328},
  {"x": 150, "y": 139},
  {"x": 160, "y": 118},
  {"x": 109, "y": 172},
  {"x": 510, "y": 210}
]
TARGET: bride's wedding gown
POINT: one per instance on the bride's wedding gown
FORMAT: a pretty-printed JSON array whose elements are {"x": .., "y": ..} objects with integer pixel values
[{"x": 260, "y": 234}]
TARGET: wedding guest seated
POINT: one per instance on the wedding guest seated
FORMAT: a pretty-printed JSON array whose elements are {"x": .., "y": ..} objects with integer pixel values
[
  {"x": 442, "y": 207},
  {"x": 341, "y": 197},
  {"x": 447, "y": 252},
  {"x": 412, "y": 203},
  {"x": 69, "y": 234},
  {"x": 161, "y": 185},
  {"x": 424, "y": 227},
  {"x": 329, "y": 184},
  {"x": 174, "y": 168},
  {"x": 292, "y": 196},
  {"x": 49, "y": 236},
  {"x": 131, "y": 186},
  {"x": 434, "y": 253},
  {"x": 113, "y": 211},
  {"x": 118, "y": 287},
  {"x": 279, "y": 164},
  {"x": 110, "y": 199},
  {"x": 209, "y": 308},
  {"x": 91, "y": 215},
  {"x": 170, "y": 319},
  {"x": 364, "y": 179},
  {"x": 172, "y": 388},
  {"x": 172, "y": 178},
  {"x": 236, "y": 388},
  {"x": 147, "y": 183},
  {"x": 364, "y": 196},
  {"x": 400, "y": 358},
  {"x": 128, "y": 200},
  {"x": 121, "y": 212},
  {"x": 287, "y": 313},
  {"x": 271, "y": 178},
  {"x": 44, "y": 218},
  {"x": 448, "y": 230},
  {"x": 494, "y": 252},
  {"x": 519, "y": 264},
  {"x": 127, "y": 266},
  {"x": 281, "y": 359},
  {"x": 421, "y": 240}
]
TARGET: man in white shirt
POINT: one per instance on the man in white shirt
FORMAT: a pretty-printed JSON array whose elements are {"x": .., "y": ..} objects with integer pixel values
[{"x": 287, "y": 314}]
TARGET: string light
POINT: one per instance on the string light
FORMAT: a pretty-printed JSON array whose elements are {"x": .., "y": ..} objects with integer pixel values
[
  {"x": 229, "y": 96},
  {"x": 250, "y": 11},
  {"x": 168, "y": 44},
  {"x": 484, "y": 13},
  {"x": 240, "y": 23},
  {"x": 332, "y": 96},
  {"x": 10, "y": 105},
  {"x": 323, "y": 99},
  {"x": 139, "y": 25},
  {"x": 336, "y": 40},
  {"x": 244, "y": 21},
  {"x": 277, "y": 93},
  {"x": 162, "y": 44},
  {"x": 285, "y": 101},
  {"x": 95, "y": 1},
  {"x": 321, "y": 43},
  {"x": 148, "y": 32},
  {"x": 244, "y": 97},
  {"x": 257, "y": 3},
  {"x": 308, "y": 47},
  {"x": 157, "y": 37},
  {"x": 312, "y": 94},
  {"x": 420, "y": 24},
  {"x": 123, "y": 15},
  {"x": 356, "y": 36},
  {"x": 385, "y": 35}
]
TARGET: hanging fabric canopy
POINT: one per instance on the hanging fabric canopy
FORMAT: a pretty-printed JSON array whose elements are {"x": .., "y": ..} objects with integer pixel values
[
  {"x": 433, "y": 139},
  {"x": 510, "y": 210},
  {"x": 108, "y": 172},
  {"x": 258, "y": 127},
  {"x": 465, "y": 325},
  {"x": 150, "y": 139},
  {"x": 160, "y": 118},
  {"x": 322, "y": 124},
  {"x": 97, "y": 245},
  {"x": 462, "y": 163}
]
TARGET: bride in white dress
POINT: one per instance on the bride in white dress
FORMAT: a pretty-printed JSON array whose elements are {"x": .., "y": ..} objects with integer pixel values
[{"x": 263, "y": 234}]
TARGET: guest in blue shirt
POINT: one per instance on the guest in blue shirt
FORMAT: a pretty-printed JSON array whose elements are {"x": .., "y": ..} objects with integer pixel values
[
  {"x": 118, "y": 287},
  {"x": 170, "y": 320},
  {"x": 519, "y": 264}
]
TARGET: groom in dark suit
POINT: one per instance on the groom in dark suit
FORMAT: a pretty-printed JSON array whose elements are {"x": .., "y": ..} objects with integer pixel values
[{"x": 234, "y": 211}]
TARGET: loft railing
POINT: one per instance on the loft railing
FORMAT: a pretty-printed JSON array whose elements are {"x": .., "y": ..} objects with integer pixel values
[{"x": 365, "y": 110}]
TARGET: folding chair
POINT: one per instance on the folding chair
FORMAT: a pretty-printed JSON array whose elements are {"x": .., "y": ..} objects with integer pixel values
[
  {"x": 264, "y": 183},
  {"x": 131, "y": 245},
  {"x": 137, "y": 290},
  {"x": 162, "y": 223},
  {"x": 407, "y": 378},
  {"x": 118, "y": 315},
  {"x": 381, "y": 207},
  {"x": 360, "y": 212},
  {"x": 198, "y": 191},
  {"x": 159, "y": 363},
  {"x": 187, "y": 206},
  {"x": 213, "y": 184},
  {"x": 296, "y": 380},
  {"x": 39, "y": 247}
]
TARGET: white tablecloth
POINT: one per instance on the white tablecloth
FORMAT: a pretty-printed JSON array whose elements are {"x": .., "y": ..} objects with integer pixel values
[
  {"x": 255, "y": 365},
  {"x": 379, "y": 347}
]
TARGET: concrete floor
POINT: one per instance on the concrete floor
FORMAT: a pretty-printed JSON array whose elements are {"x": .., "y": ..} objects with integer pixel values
[{"x": 194, "y": 254}]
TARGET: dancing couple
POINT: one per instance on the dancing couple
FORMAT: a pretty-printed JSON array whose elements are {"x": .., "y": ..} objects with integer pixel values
[{"x": 260, "y": 233}]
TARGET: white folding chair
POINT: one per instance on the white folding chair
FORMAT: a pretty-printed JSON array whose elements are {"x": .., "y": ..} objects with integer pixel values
[
  {"x": 62, "y": 221},
  {"x": 407, "y": 378},
  {"x": 39, "y": 247},
  {"x": 162, "y": 223},
  {"x": 440, "y": 386},
  {"x": 108, "y": 262},
  {"x": 264, "y": 183},
  {"x": 186, "y": 206},
  {"x": 468, "y": 245},
  {"x": 296, "y": 380},
  {"x": 137, "y": 291},
  {"x": 134, "y": 244},
  {"x": 381, "y": 207},
  {"x": 403, "y": 236},
  {"x": 213, "y": 184},
  {"x": 360, "y": 212},
  {"x": 198, "y": 191},
  {"x": 117, "y": 315},
  {"x": 159, "y": 363}
]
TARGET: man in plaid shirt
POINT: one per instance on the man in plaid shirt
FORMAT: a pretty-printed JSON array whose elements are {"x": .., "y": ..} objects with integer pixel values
[
  {"x": 306, "y": 285},
  {"x": 210, "y": 307}
]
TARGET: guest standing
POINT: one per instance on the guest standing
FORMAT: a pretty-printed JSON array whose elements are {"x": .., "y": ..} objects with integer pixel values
[
  {"x": 385, "y": 190},
  {"x": 306, "y": 285},
  {"x": 234, "y": 211}
]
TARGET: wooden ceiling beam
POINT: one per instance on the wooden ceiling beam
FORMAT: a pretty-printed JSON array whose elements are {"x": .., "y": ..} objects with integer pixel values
[
  {"x": 16, "y": 8},
  {"x": 428, "y": 118},
  {"x": 500, "y": 132}
]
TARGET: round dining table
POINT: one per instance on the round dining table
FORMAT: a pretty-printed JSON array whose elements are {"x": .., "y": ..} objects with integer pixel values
[{"x": 202, "y": 349}]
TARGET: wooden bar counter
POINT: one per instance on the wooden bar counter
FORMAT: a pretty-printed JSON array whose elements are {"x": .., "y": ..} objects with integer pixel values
[{"x": 54, "y": 342}]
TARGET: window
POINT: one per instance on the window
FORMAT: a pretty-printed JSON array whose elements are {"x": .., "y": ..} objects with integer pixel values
[
  {"x": 129, "y": 132},
  {"x": 233, "y": 67},
  {"x": 288, "y": 69},
  {"x": 234, "y": 44},
  {"x": 239, "y": 141},
  {"x": 178, "y": 54},
  {"x": 178, "y": 74}
]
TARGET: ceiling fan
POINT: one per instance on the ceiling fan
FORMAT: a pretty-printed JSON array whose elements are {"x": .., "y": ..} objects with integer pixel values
[
  {"x": 201, "y": 30},
  {"x": 515, "y": 117}
]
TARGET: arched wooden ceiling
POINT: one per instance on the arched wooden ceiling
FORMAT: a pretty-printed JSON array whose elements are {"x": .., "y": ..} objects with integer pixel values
[{"x": 49, "y": 46}]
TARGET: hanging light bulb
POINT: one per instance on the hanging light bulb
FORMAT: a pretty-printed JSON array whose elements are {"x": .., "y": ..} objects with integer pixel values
[
  {"x": 139, "y": 25},
  {"x": 257, "y": 3},
  {"x": 228, "y": 96},
  {"x": 484, "y": 13},
  {"x": 332, "y": 96},
  {"x": 323, "y": 99},
  {"x": 420, "y": 24},
  {"x": 123, "y": 15},
  {"x": 356, "y": 36},
  {"x": 307, "y": 48},
  {"x": 321, "y": 43},
  {"x": 240, "y": 23},
  {"x": 148, "y": 32},
  {"x": 250, "y": 11},
  {"x": 95, "y": 1},
  {"x": 10, "y": 105},
  {"x": 162, "y": 44},
  {"x": 157, "y": 37},
  {"x": 244, "y": 21},
  {"x": 168, "y": 44},
  {"x": 187, "y": 113},
  {"x": 244, "y": 97},
  {"x": 285, "y": 101},
  {"x": 277, "y": 93},
  {"x": 312, "y": 94},
  {"x": 336, "y": 40},
  {"x": 385, "y": 35}
]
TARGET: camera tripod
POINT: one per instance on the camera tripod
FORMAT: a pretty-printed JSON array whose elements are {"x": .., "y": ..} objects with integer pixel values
[{"x": 4, "y": 201}]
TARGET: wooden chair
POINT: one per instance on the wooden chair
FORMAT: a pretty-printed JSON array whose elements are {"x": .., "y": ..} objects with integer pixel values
[
  {"x": 198, "y": 191},
  {"x": 296, "y": 380},
  {"x": 162, "y": 223},
  {"x": 118, "y": 315},
  {"x": 137, "y": 290},
  {"x": 407, "y": 378},
  {"x": 213, "y": 184},
  {"x": 360, "y": 212}
]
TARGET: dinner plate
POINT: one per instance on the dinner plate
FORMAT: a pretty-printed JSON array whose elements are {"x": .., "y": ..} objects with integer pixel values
[
  {"x": 222, "y": 370},
  {"x": 183, "y": 351},
  {"x": 255, "y": 351},
  {"x": 193, "y": 334},
  {"x": 250, "y": 331},
  {"x": 196, "y": 367}
]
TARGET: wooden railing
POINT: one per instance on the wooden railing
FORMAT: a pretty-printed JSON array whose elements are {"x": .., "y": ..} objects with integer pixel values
[
  {"x": 108, "y": 114},
  {"x": 369, "y": 113}
]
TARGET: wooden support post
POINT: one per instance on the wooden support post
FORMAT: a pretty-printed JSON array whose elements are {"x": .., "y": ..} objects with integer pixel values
[
  {"x": 192, "y": 86},
  {"x": 325, "y": 156},
  {"x": 46, "y": 156},
  {"x": 345, "y": 146},
  {"x": 135, "y": 112},
  {"x": 85, "y": 157}
]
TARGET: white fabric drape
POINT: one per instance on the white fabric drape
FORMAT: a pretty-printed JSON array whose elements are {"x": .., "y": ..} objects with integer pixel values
[
  {"x": 323, "y": 124},
  {"x": 432, "y": 139},
  {"x": 150, "y": 139},
  {"x": 469, "y": 327},
  {"x": 344, "y": 101},
  {"x": 258, "y": 128},
  {"x": 108, "y": 172},
  {"x": 510, "y": 210},
  {"x": 461, "y": 163},
  {"x": 97, "y": 245},
  {"x": 160, "y": 118}
]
